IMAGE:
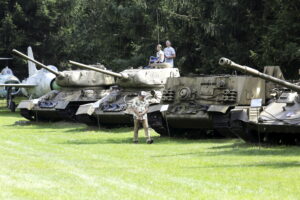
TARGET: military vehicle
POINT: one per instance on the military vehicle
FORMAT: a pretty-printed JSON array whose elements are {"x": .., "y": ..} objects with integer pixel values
[
  {"x": 200, "y": 106},
  {"x": 36, "y": 85},
  {"x": 114, "y": 109},
  {"x": 70, "y": 89},
  {"x": 278, "y": 122}
]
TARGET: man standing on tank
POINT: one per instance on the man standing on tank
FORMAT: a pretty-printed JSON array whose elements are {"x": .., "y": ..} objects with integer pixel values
[
  {"x": 170, "y": 53},
  {"x": 140, "y": 108}
]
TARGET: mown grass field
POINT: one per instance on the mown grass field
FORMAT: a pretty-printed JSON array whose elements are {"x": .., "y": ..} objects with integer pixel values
[{"x": 71, "y": 161}]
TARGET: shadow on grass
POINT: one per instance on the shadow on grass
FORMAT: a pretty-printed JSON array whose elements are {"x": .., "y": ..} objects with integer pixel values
[
  {"x": 73, "y": 126},
  {"x": 128, "y": 140},
  {"x": 283, "y": 164},
  {"x": 239, "y": 148},
  {"x": 125, "y": 140},
  {"x": 45, "y": 125}
]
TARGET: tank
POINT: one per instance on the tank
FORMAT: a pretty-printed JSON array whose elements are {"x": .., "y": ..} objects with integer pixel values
[
  {"x": 276, "y": 123},
  {"x": 113, "y": 109},
  {"x": 70, "y": 89},
  {"x": 200, "y": 106}
]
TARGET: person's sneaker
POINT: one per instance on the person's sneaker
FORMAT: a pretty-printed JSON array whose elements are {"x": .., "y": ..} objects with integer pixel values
[
  {"x": 150, "y": 141},
  {"x": 135, "y": 142}
]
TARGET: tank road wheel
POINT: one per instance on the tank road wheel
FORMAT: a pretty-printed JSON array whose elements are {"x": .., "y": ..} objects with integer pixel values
[
  {"x": 287, "y": 139},
  {"x": 272, "y": 139},
  {"x": 297, "y": 140},
  {"x": 27, "y": 114}
]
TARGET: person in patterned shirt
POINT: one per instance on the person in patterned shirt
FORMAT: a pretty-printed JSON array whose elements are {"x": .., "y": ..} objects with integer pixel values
[{"x": 140, "y": 108}]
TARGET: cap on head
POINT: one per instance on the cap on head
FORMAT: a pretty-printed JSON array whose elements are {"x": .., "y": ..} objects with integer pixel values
[{"x": 142, "y": 94}]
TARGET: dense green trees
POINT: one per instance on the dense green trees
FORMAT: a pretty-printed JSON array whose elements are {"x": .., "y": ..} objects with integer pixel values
[{"x": 121, "y": 33}]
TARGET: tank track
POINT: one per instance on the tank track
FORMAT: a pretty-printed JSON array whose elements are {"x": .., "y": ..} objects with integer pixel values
[
  {"x": 86, "y": 119},
  {"x": 252, "y": 135},
  {"x": 157, "y": 123},
  {"x": 67, "y": 115},
  {"x": 27, "y": 114}
]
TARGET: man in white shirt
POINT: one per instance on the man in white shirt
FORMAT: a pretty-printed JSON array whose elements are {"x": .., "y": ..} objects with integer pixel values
[{"x": 170, "y": 53}]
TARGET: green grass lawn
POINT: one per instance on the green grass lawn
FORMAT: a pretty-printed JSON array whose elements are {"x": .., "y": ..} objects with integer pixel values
[{"x": 71, "y": 161}]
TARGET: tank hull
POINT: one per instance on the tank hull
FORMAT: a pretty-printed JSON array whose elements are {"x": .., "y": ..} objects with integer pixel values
[
  {"x": 271, "y": 134},
  {"x": 113, "y": 109},
  {"x": 112, "y": 119},
  {"x": 277, "y": 123},
  {"x": 59, "y": 105},
  {"x": 202, "y": 105}
]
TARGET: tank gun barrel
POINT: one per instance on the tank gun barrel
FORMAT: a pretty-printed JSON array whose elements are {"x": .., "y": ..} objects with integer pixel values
[
  {"x": 248, "y": 70},
  {"x": 118, "y": 75},
  {"x": 34, "y": 61}
]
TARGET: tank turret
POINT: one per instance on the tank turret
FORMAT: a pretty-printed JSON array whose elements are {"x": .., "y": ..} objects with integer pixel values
[
  {"x": 248, "y": 70},
  {"x": 74, "y": 78},
  {"x": 114, "y": 74},
  {"x": 137, "y": 78}
]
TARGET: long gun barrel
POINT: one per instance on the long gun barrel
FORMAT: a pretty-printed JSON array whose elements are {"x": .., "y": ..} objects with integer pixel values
[
  {"x": 36, "y": 62},
  {"x": 248, "y": 70},
  {"x": 118, "y": 75}
]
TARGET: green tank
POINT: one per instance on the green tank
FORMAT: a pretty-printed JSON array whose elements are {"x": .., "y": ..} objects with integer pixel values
[
  {"x": 70, "y": 89},
  {"x": 113, "y": 109},
  {"x": 200, "y": 106},
  {"x": 276, "y": 123}
]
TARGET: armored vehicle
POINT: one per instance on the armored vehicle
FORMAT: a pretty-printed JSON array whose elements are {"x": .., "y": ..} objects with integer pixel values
[
  {"x": 70, "y": 89},
  {"x": 278, "y": 122},
  {"x": 200, "y": 106},
  {"x": 113, "y": 109}
]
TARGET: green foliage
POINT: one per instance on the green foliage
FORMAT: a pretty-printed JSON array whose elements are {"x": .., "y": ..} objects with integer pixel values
[{"x": 120, "y": 34}]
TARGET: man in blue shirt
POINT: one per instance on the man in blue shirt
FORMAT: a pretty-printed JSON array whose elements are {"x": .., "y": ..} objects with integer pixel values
[{"x": 170, "y": 53}]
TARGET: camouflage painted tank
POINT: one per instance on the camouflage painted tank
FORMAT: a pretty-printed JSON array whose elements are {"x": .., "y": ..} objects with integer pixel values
[
  {"x": 70, "y": 89},
  {"x": 200, "y": 106},
  {"x": 278, "y": 122},
  {"x": 113, "y": 108}
]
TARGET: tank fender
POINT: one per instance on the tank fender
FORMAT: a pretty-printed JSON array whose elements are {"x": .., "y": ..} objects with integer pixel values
[
  {"x": 157, "y": 108},
  {"x": 26, "y": 105},
  {"x": 239, "y": 114},
  {"x": 62, "y": 104},
  {"x": 218, "y": 108},
  {"x": 86, "y": 109}
]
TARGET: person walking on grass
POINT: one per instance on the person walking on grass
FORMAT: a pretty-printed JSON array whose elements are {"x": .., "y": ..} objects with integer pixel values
[
  {"x": 140, "y": 108},
  {"x": 170, "y": 53}
]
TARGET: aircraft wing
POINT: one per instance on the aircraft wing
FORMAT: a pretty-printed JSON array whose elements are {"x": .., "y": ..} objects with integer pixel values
[{"x": 18, "y": 85}]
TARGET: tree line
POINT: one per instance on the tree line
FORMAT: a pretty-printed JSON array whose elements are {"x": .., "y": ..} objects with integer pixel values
[{"x": 121, "y": 34}]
